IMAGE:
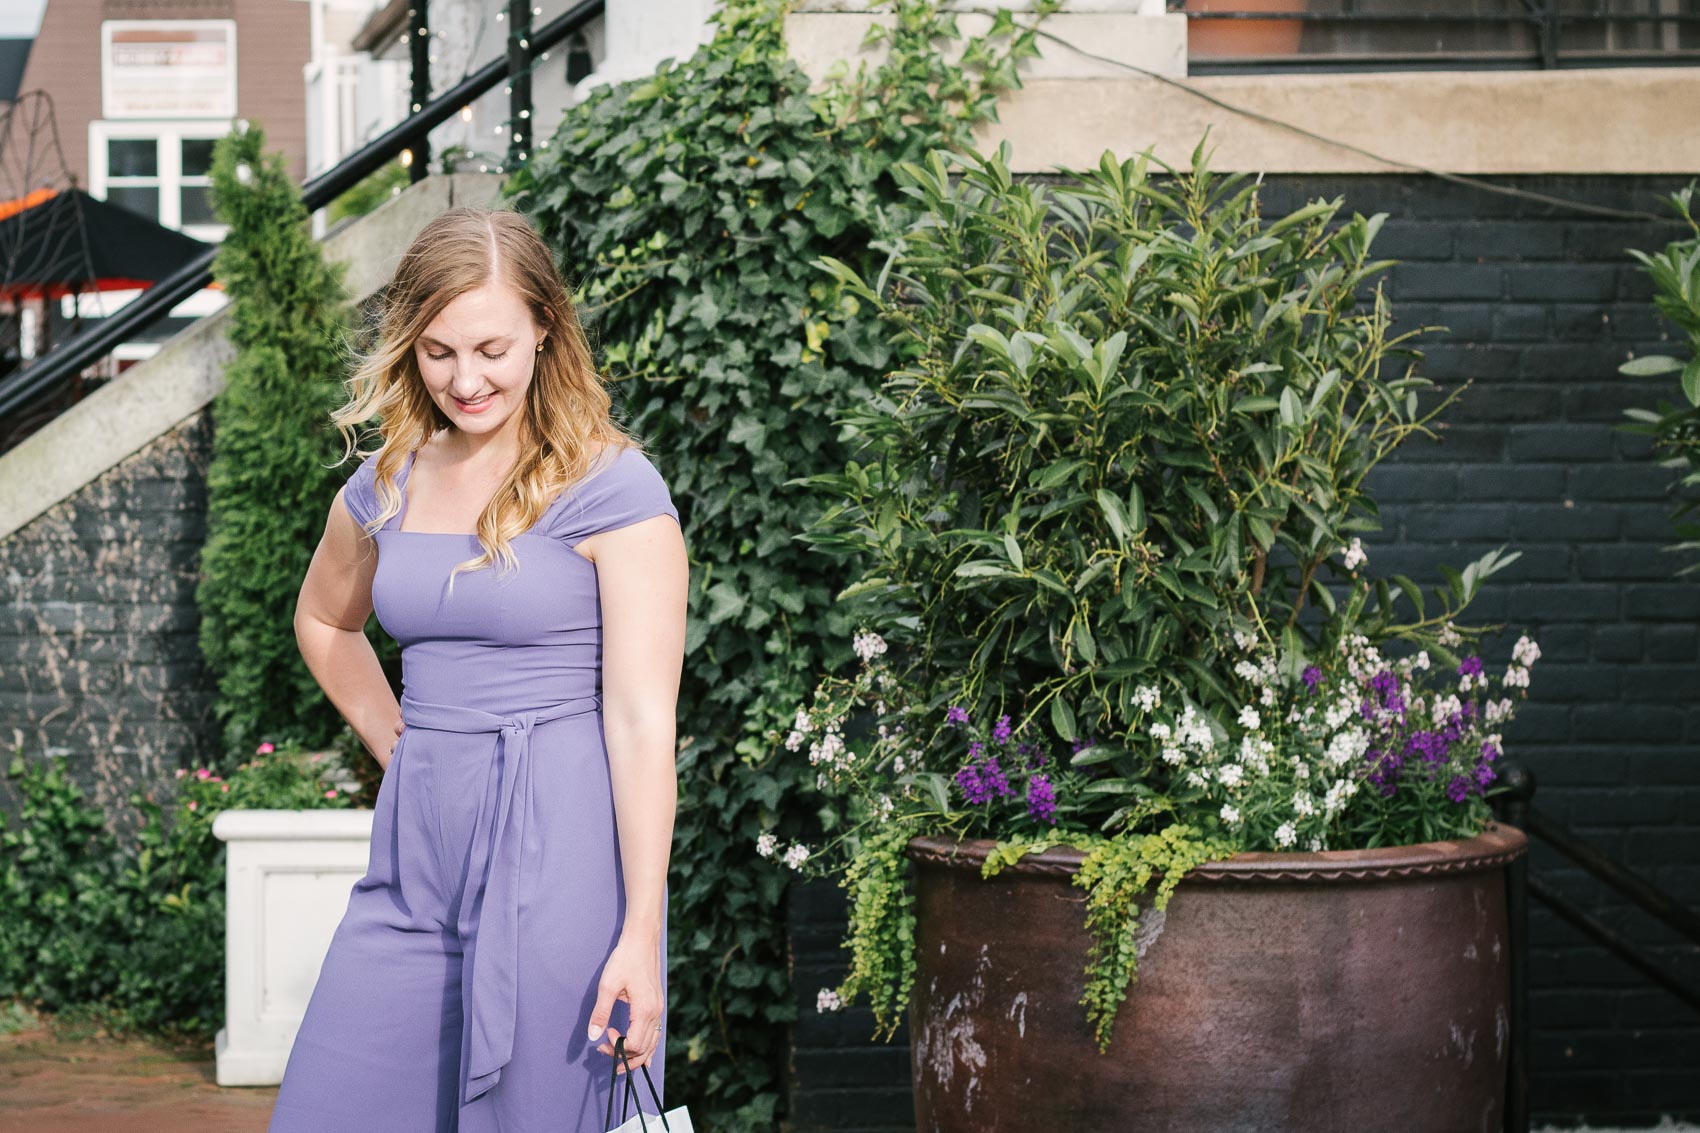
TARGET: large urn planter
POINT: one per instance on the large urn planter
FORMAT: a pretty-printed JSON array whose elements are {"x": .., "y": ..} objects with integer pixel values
[{"x": 1315, "y": 992}]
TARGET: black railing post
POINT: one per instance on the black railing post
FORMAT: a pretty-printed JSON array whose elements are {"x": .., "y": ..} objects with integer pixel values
[
  {"x": 519, "y": 82},
  {"x": 419, "y": 56},
  {"x": 1514, "y": 811}
]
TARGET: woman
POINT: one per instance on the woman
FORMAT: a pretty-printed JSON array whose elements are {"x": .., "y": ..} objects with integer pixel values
[{"x": 528, "y": 557}]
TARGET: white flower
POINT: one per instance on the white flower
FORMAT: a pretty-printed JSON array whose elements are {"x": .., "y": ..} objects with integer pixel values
[
  {"x": 793, "y": 741},
  {"x": 1303, "y": 804},
  {"x": 1160, "y": 732},
  {"x": 1230, "y": 813},
  {"x": 1525, "y": 652},
  {"x": 1173, "y": 756},
  {"x": 827, "y": 1000},
  {"x": 1247, "y": 671},
  {"x": 867, "y": 646},
  {"x": 826, "y": 749},
  {"x": 1301, "y": 770},
  {"x": 1230, "y": 774},
  {"x": 1516, "y": 676},
  {"x": 1246, "y": 641},
  {"x": 1338, "y": 794},
  {"x": 1285, "y": 835},
  {"x": 796, "y": 855},
  {"x": 1266, "y": 697},
  {"x": 1194, "y": 779},
  {"x": 1347, "y": 746},
  {"x": 1148, "y": 698},
  {"x": 1497, "y": 710},
  {"x": 1449, "y": 635},
  {"x": 1317, "y": 845},
  {"x": 1422, "y": 661},
  {"x": 1354, "y": 554},
  {"x": 766, "y": 843},
  {"x": 1249, "y": 718},
  {"x": 244, "y": 173}
]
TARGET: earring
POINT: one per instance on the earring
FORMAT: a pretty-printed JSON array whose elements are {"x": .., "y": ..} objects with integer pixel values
[{"x": 540, "y": 346}]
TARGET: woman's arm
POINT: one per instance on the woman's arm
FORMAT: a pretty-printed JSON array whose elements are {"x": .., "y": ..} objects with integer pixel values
[
  {"x": 643, "y": 576},
  {"x": 330, "y": 620}
]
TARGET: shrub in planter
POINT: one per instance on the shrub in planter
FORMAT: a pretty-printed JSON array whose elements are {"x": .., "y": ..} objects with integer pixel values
[
  {"x": 1111, "y": 502},
  {"x": 135, "y": 930}
]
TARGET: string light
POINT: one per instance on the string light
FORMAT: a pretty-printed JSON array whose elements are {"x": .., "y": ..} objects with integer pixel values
[
  {"x": 466, "y": 114},
  {"x": 406, "y": 158}
]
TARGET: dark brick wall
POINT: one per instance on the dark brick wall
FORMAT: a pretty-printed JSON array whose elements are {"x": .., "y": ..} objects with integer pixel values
[
  {"x": 1541, "y": 305},
  {"x": 99, "y": 662}
]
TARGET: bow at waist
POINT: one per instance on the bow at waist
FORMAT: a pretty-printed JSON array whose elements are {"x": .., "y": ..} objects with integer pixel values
[{"x": 497, "y": 838}]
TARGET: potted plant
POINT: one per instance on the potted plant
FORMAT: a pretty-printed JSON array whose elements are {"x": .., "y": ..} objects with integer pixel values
[{"x": 1121, "y": 638}]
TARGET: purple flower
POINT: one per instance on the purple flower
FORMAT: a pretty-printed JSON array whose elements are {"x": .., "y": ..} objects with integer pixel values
[
  {"x": 1041, "y": 799},
  {"x": 973, "y": 787},
  {"x": 1472, "y": 667},
  {"x": 1082, "y": 745},
  {"x": 993, "y": 777},
  {"x": 1459, "y": 788},
  {"x": 1002, "y": 731},
  {"x": 956, "y": 715},
  {"x": 975, "y": 749},
  {"x": 1312, "y": 677}
]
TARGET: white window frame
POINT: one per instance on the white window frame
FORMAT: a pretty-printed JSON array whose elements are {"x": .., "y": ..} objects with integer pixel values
[{"x": 168, "y": 136}]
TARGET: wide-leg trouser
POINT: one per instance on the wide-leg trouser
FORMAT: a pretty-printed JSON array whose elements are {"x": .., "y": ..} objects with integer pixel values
[{"x": 385, "y": 1042}]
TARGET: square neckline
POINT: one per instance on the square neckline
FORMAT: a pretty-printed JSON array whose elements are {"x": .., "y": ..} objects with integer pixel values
[{"x": 405, "y": 473}]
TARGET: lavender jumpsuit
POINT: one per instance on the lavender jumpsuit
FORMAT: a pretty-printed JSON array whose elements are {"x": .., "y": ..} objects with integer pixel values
[{"x": 459, "y": 984}]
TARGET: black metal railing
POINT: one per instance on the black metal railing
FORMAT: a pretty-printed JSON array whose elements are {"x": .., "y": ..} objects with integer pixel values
[
  {"x": 1395, "y": 34},
  {"x": 1515, "y": 808},
  {"x": 54, "y": 371}
]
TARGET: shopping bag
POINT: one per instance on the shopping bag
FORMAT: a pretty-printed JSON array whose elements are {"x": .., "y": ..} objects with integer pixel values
[{"x": 675, "y": 1120}]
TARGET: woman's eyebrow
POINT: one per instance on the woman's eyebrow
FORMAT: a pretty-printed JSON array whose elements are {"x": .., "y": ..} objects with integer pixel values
[{"x": 425, "y": 338}]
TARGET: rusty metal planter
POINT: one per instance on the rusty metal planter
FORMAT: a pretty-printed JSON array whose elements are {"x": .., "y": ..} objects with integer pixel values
[{"x": 1348, "y": 990}]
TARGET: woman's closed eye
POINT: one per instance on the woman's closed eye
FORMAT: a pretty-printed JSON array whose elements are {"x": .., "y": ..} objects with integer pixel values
[{"x": 487, "y": 354}]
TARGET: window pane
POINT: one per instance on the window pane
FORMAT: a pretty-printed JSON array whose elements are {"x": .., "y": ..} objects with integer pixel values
[
  {"x": 197, "y": 156},
  {"x": 197, "y": 205},
  {"x": 132, "y": 157},
  {"x": 137, "y": 198}
]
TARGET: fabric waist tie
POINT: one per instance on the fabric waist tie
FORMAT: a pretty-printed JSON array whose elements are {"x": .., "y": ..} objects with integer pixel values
[{"x": 495, "y": 871}]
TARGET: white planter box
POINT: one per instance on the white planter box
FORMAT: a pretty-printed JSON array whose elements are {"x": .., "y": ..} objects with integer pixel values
[{"x": 289, "y": 875}]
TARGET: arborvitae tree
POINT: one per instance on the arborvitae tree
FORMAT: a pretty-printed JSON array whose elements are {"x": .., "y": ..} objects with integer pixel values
[{"x": 273, "y": 468}]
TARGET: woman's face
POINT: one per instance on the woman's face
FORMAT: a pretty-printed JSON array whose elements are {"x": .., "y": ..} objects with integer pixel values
[{"x": 477, "y": 357}]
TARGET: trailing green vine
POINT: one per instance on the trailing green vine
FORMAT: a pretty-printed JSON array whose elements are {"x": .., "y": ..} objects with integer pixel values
[{"x": 882, "y": 927}]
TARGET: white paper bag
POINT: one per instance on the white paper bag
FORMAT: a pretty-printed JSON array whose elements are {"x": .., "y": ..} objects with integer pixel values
[{"x": 678, "y": 1121}]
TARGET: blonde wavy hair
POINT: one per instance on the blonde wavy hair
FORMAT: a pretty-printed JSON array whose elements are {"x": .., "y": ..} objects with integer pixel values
[{"x": 567, "y": 408}]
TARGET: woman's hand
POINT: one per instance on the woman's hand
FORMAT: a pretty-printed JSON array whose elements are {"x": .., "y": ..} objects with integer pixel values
[{"x": 632, "y": 973}]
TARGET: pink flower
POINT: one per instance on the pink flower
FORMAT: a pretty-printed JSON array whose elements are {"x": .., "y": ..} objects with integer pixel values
[
  {"x": 203, "y": 773},
  {"x": 181, "y": 773},
  {"x": 225, "y": 788},
  {"x": 315, "y": 757},
  {"x": 331, "y": 794},
  {"x": 191, "y": 804},
  {"x": 265, "y": 748}
]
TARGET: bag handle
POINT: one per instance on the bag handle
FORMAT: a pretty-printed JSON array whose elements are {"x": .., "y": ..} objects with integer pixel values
[{"x": 631, "y": 1089}]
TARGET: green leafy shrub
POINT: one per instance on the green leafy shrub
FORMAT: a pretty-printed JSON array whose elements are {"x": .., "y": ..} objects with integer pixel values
[
  {"x": 137, "y": 930},
  {"x": 273, "y": 467},
  {"x": 1675, "y": 428},
  {"x": 1112, "y": 500}
]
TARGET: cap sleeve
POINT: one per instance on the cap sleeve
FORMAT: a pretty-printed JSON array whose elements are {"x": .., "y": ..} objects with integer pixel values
[
  {"x": 627, "y": 490},
  {"x": 359, "y": 493}
]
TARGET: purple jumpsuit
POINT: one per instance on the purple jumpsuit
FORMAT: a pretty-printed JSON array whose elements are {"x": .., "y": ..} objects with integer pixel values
[{"x": 459, "y": 984}]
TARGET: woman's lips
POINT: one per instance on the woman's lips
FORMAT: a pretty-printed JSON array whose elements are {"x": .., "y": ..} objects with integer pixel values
[{"x": 478, "y": 406}]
